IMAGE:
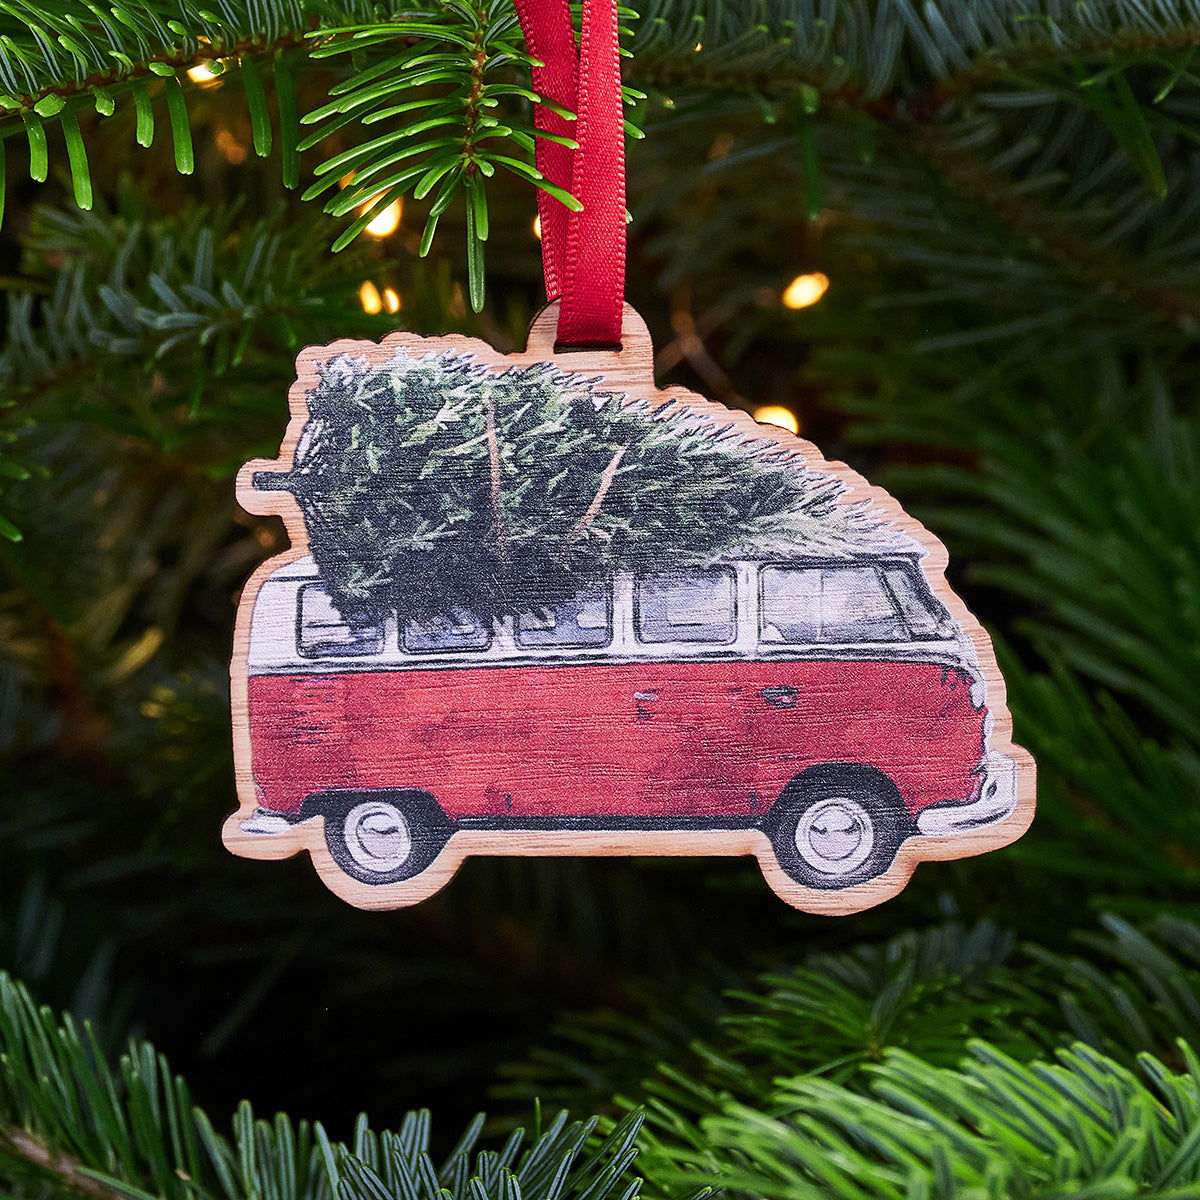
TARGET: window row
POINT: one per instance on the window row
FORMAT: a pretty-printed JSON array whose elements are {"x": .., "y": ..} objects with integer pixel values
[{"x": 798, "y": 605}]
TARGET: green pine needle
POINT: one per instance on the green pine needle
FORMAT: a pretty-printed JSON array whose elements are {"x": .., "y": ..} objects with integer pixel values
[
  {"x": 285, "y": 96},
  {"x": 181, "y": 131},
  {"x": 80, "y": 176},
  {"x": 145, "y": 114},
  {"x": 39, "y": 157},
  {"x": 256, "y": 98}
]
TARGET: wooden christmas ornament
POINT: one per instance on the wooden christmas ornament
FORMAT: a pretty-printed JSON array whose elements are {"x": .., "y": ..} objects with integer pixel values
[{"x": 535, "y": 605}]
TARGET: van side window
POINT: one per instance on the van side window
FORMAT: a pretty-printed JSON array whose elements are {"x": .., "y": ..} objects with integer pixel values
[
  {"x": 925, "y": 615},
  {"x": 458, "y": 629},
  {"x": 827, "y": 604},
  {"x": 583, "y": 620},
  {"x": 687, "y": 606},
  {"x": 322, "y": 631}
]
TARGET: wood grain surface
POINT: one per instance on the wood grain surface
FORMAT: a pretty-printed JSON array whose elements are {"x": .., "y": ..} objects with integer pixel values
[{"x": 512, "y": 815}]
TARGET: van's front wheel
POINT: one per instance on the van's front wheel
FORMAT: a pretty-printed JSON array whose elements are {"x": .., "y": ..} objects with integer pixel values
[
  {"x": 383, "y": 837},
  {"x": 838, "y": 825}
]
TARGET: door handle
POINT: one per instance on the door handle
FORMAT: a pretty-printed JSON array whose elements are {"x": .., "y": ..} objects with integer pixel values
[
  {"x": 780, "y": 697},
  {"x": 640, "y": 700}
]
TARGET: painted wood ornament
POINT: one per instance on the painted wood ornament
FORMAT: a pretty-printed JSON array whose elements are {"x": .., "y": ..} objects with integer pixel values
[
  {"x": 493, "y": 634},
  {"x": 535, "y": 605}
]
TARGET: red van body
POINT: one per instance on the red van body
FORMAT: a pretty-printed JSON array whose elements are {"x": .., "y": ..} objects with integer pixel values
[
  {"x": 678, "y": 740},
  {"x": 834, "y": 704}
]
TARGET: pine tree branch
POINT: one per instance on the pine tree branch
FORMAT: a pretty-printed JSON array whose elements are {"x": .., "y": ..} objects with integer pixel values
[
  {"x": 922, "y": 97},
  {"x": 1041, "y": 231},
  {"x": 56, "y": 51},
  {"x": 68, "y": 1172},
  {"x": 99, "y": 288},
  {"x": 1035, "y": 62},
  {"x": 144, "y": 1137},
  {"x": 20, "y": 104},
  {"x": 866, "y": 49},
  {"x": 887, "y": 61},
  {"x": 589, "y": 515},
  {"x": 498, "y": 524}
]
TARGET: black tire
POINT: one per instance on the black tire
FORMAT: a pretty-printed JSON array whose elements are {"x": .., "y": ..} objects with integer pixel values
[
  {"x": 384, "y": 836},
  {"x": 838, "y": 825}
]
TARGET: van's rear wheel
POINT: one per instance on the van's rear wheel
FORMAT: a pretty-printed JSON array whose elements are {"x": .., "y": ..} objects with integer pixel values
[
  {"x": 838, "y": 825},
  {"x": 383, "y": 837}
]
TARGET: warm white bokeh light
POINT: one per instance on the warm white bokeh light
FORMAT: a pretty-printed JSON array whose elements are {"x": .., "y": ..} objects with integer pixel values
[
  {"x": 776, "y": 414},
  {"x": 805, "y": 290},
  {"x": 386, "y": 222},
  {"x": 230, "y": 147},
  {"x": 537, "y": 228},
  {"x": 201, "y": 73},
  {"x": 369, "y": 298},
  {"x": 391, "y": 300}
]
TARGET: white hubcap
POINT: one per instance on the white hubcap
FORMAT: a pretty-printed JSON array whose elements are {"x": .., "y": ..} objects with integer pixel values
[
  {"x": 836, "y": 835},
  {"x": 378, "y": 836}
]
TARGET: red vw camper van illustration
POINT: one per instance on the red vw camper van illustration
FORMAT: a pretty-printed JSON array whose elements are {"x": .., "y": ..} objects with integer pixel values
[{"x": 816, "y": 703}]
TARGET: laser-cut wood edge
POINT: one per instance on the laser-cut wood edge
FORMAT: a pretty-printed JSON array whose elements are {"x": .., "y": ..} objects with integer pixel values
[{"x": 630, "y": 371}]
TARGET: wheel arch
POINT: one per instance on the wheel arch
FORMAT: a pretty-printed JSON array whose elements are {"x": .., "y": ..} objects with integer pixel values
[
  {"x": 832, "y": 774},
  {"x": 420, "y": 804}
]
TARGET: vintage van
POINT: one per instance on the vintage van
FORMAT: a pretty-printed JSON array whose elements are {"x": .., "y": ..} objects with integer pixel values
[{"x": 831, "y": 703}]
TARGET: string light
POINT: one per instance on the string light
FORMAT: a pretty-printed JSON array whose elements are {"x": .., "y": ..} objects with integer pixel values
[
  {"x": 202, "y": 73},
  {"x": 776, "y": 414},
  {"x": 369, "y": 298},
  {"x": 537, "y": 227},
  {"x": 384, "y": 223},
  {"x": 805, "y": 290},
  {"x": 391, "y": 300}
]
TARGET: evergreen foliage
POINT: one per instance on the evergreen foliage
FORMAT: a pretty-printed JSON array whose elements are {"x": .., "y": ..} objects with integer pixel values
[
  {"x": 1081, "y": 1126},
  {"x": 922, "y": 993},
  {"x": 1120, "y": 66},
  {"x": 845, "y": 1074},
  {"x": 1003, "y": 194},
  {"x": 71, "y": 1123},
  {"x": 428, "y": 482},
  {"x": 1100, "y": 544}
]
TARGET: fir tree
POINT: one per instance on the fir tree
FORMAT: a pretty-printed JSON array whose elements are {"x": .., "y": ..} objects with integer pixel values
[{"x": 428, "y": 482}]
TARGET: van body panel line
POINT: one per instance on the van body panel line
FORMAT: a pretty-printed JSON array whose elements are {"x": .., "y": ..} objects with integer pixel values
[
  {"x": 590, "y": 823},
  {"x": 939, "y": 654}
]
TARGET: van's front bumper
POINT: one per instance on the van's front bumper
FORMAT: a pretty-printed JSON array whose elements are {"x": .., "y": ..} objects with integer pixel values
[{"x": 992, "y": 801}]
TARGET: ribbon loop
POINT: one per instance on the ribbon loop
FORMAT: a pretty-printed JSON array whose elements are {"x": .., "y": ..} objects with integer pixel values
[{"x": 583, "y": 253}]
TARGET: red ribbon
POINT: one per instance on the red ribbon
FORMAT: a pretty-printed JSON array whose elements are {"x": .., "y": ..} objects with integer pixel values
[{"x": 583, "y": 253}]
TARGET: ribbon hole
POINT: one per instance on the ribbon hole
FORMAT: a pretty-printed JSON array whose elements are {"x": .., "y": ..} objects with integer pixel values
[{"x": 604, "y": 347}]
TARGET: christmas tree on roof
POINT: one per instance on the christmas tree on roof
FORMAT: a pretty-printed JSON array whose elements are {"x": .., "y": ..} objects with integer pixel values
[{"x": 432, "y": 480}]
